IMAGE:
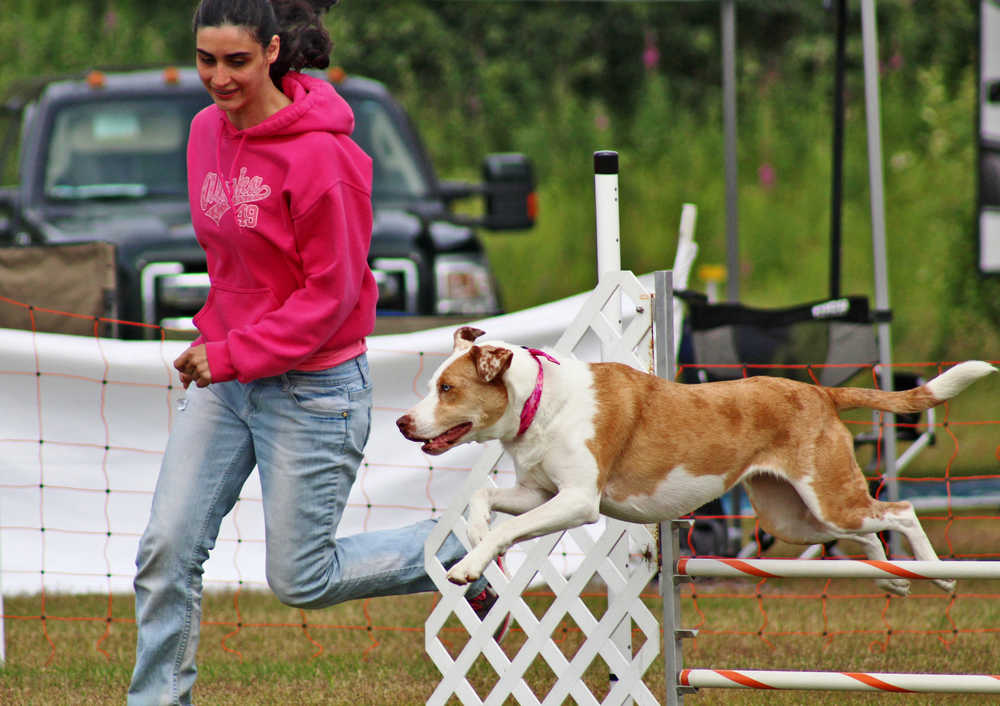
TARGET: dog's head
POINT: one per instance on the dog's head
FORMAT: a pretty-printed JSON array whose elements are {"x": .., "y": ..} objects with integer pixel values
[{"x": 467, "y": 396}]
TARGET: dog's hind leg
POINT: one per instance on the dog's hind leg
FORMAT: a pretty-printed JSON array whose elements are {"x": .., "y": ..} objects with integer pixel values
[
  {"x": 900, "y": 517},
  {"x": 840, "y": 499},
  {"x": 782, "y": 512},
  {"x": 896, "y": 517},
  {"x": 873, "y": 549}
]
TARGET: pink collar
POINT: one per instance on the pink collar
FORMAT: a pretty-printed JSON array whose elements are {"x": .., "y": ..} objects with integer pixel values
[{"x": 531, "y": 404}]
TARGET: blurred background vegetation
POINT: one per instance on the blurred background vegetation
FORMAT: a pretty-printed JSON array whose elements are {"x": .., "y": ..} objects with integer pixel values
[{"x": 558, "y": 80}]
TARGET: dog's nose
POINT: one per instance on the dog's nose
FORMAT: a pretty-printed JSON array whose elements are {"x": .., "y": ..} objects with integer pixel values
[{"x": 404, "y": 423}]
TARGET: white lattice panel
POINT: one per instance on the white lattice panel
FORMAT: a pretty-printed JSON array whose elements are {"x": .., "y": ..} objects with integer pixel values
[{"x": 629, "y": 343}]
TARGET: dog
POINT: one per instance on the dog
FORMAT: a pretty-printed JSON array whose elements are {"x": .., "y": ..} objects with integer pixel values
[{"x": 591, "y": 438}]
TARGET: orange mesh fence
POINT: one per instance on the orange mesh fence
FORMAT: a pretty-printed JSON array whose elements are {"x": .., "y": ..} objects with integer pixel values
[
  {"x": 955, "y": 484},
  {"x": 83, "y": 423}
]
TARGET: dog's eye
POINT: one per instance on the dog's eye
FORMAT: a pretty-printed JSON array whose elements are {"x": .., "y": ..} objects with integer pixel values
[{"x": 444, "y": 387}]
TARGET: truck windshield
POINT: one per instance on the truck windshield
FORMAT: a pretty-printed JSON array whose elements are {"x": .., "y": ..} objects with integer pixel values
[
  {"x": 127, "y": 149},
  {"x": 120, "y": 148},
  {"x": 397, "y": 175}
]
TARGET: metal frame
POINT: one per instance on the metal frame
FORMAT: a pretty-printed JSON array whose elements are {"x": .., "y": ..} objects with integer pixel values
[{"x": 876, "y": 203}]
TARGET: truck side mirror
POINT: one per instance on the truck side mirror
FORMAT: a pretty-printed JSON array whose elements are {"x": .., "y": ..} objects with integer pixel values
[
  {"x": 509, "y": 190},
  {"x": 989, "y": 139},
  {"x": 7, "y": 201}
]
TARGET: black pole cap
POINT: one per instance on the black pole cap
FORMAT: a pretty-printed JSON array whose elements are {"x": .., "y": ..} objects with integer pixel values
[{"x": 605, "y": 162}]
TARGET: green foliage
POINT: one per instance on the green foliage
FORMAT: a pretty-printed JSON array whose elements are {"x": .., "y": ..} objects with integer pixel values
[
  {"x": 560, "y": 80},
  {"x": 39, "y": 38}
]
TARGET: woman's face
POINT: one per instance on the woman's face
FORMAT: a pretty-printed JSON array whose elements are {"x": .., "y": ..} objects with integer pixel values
[{"x": 234, "y": 68}]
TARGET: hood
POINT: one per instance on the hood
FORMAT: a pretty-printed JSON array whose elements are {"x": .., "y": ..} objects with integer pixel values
[
  {"x": 316, "y": 107},
  {"x": 118, "y": 223}
]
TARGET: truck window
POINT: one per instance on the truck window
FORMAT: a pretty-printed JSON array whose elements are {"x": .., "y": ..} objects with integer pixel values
[
  {"x": 119, "y": 148},
  {"x": 397, "y": 174}
]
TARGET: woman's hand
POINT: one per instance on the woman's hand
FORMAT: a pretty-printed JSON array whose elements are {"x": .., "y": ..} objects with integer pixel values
[{"x": 193, "y": 366}]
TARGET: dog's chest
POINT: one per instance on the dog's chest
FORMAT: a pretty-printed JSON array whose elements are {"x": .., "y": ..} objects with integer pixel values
[{"x": 535, "y": 476}]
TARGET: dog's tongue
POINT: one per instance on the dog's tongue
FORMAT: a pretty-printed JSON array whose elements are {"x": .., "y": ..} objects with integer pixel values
[{"x": 440, "y": 444}]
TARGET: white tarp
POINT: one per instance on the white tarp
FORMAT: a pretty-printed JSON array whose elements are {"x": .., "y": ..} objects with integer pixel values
[{"x": 83, "y": 423}]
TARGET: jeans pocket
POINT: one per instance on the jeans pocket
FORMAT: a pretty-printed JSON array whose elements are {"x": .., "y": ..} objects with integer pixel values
[
  {"x": 327, "y": 395},
  {"x": 319, "y": 397}
]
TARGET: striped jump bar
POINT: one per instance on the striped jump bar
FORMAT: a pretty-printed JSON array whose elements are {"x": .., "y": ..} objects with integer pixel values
[
  {"x": 841, "y": 681},
  {"x": 838, "y": 568}
]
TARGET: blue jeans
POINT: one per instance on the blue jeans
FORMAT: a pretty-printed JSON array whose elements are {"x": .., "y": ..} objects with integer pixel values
[{"x": 305, "y": 432}]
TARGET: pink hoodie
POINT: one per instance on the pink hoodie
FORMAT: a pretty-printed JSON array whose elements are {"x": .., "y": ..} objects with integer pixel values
[{"x": 283, "y": 211}]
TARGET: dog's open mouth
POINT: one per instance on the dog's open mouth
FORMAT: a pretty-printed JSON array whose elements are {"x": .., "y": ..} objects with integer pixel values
[{"x": 441, "y": 443}]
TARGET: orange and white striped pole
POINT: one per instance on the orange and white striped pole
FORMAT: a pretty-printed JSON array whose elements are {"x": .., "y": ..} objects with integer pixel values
[
  {"x": 841, "y": 681},
  {"x": 837, "y": 568}
]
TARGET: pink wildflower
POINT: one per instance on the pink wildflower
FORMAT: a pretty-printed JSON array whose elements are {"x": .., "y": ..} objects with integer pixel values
[
  {"x": 651, "y": 54},
  {"x": 767, "y": 175}
]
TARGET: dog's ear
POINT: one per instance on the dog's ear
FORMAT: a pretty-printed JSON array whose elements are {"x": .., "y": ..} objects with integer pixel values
[
  {"x": 465, "y": 336},
  {"x": 491, "y": 361}
]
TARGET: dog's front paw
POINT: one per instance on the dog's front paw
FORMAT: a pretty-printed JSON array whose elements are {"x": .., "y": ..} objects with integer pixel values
[
  {"x": 471, "y": 566},
  {"x": 463, "y": 572}
]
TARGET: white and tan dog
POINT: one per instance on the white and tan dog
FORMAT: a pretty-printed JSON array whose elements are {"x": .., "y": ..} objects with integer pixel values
[{"x": 589, "y": 438}]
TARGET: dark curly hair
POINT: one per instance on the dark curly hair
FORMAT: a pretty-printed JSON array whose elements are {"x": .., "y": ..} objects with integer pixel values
[{"x": 305, "y": 43}]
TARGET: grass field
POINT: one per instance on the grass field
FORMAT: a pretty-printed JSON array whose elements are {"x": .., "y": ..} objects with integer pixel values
[
  {"x": 387, "y": 665},
  {"x": 256, "y": 651}
]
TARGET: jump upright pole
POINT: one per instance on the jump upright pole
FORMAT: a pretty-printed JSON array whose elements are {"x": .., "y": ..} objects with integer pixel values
[
  {"x": 880, "y": 259},
  {"x": 608, "y": 233},
  {"x": 609, "y": 260}
]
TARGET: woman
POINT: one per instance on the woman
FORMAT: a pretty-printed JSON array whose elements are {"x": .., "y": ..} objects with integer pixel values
[{"x": 281, "y": 202}]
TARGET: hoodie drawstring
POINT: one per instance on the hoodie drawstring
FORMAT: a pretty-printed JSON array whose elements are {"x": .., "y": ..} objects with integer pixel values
[{"x": 227, "y": 180}]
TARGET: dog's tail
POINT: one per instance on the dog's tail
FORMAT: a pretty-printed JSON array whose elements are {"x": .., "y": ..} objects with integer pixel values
[{"x": 943, "y": 387}]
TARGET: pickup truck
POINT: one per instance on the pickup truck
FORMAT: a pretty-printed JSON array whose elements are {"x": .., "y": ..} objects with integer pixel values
[{"x": 102, "y": 160}]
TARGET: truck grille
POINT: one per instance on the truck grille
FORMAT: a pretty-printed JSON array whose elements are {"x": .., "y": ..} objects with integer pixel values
[
  {"x": 398, "y": 284},
  {"x": 171, "y": 297}
]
